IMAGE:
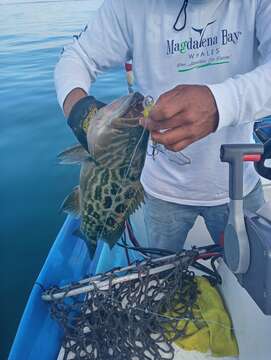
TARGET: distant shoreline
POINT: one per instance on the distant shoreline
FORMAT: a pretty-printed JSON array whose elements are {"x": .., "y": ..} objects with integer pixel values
[{"x": 39, "y": 2}]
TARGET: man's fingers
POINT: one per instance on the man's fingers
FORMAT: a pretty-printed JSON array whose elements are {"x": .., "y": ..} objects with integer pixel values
[
  {"x": 172, "y": 136},
  {"x": 167, "y": 106},
  {"x": 182, "y": 116},
  {"x": 180, "y": 145},
  {"x": 153, "y": 125}
]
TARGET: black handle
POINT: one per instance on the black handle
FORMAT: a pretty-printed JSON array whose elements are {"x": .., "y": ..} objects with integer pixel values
[
  {"x": 263, "y": 132},
  {"x": 234, "y": 154},
  {"x": 260, "y": 167}
]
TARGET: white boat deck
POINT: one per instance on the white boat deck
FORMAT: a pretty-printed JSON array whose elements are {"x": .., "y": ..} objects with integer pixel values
[
  {"x": 179, "y": 355},
  {"x": 194, "y": 355}
]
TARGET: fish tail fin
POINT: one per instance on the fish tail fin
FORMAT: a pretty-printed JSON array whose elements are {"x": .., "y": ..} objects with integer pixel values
[
  {"x": 73, "y": 155},
  {"x": 91, "y": 245},
  {"x": 71, "y": 203}
]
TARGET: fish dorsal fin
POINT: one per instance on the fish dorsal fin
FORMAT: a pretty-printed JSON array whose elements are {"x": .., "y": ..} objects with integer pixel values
[
  {"x": 74, "y": 155},
  {"x": 71, "y": 203}
]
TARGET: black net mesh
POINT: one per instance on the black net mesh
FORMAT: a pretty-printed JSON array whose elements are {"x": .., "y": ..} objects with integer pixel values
[{"x": 119, "y": 315}]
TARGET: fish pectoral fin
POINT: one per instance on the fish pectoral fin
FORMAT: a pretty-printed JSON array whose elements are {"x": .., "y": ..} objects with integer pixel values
[
  {"x": 71, "y": 203},
  {"x": 74, "y": 155}
]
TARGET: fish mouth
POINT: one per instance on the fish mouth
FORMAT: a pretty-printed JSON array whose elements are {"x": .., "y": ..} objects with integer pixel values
[
  {"x": 134, "y": 106},
  {"x": 131, "y": 108}
]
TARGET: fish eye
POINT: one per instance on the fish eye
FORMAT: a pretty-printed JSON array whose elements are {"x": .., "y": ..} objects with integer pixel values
[{"x": 148, "y": 101}]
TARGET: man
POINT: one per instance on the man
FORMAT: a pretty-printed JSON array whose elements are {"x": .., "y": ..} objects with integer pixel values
[{"x": 208, "y": 65}]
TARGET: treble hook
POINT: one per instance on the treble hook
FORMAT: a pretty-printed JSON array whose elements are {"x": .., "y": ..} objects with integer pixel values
[{"x": 148, "y": 104}]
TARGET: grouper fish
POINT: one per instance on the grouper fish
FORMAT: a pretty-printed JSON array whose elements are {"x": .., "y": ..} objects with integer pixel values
[{"x": 110, "y": 189}]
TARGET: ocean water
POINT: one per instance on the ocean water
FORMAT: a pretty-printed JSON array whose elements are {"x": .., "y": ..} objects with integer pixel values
[{"x": 32, "y": 132}]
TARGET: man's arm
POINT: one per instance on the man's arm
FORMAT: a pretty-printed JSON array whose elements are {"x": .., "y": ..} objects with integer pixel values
[
  {"x": 190, "y": 113},
  {"x": 105, "y": 43},
  {"x": 245, "y": 98},
  {"x": 71, "y": 99}
]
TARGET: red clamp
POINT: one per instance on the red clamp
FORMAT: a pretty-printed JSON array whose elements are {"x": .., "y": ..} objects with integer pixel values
[
  {"x": 128, "y": 67},
  {"x": 252, "y": 157}
]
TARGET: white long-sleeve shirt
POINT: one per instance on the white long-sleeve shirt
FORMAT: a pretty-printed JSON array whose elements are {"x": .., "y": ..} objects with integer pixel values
[{"x": 226, "y": 44}]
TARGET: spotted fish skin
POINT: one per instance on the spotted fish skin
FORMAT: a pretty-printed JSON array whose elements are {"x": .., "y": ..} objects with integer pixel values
[{"x": 110, "y": 189}]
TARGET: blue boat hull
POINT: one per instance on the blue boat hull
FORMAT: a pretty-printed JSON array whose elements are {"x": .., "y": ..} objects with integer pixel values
[{"x": 38, "y": 336}]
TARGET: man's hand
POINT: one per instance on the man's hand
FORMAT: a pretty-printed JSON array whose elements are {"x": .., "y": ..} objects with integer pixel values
[
  {"x": 79, "y": 110},
  {"x": 72, "y": 98},
  {"x": 186, "y": 114}
]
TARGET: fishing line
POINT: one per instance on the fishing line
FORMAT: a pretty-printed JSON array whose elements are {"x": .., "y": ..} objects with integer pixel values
[
  {"x": 122, "y": 182},
  {"x": 147, "y": 252},
  {"x": 124, "y": 240}
]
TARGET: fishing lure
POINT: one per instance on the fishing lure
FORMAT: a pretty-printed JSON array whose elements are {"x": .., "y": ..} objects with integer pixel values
[{"x": 177, "y": 157}]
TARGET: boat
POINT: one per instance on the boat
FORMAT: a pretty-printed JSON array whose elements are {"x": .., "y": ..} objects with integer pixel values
[{"x": 40, "y": 337}]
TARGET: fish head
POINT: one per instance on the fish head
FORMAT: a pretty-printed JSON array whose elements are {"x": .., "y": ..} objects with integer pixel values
[
  {"x": 115, "y": 129},
  {"x": 130, "y": 110}
]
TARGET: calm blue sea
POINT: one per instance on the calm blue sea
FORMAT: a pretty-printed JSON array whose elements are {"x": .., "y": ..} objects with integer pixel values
[{"x": 32, "y": 132}]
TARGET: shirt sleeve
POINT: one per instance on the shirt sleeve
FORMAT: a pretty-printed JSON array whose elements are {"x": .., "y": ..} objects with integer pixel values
[
  {"x": 105, "y": 43},
  {"x": 245, "y": 98}
]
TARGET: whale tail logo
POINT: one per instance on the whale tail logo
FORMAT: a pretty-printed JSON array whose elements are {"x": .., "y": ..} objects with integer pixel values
[{"x": 203, "y": 30}]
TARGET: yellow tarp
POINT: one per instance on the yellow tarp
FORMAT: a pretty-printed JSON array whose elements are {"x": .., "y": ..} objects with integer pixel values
[{"x": 211, "y": 329}]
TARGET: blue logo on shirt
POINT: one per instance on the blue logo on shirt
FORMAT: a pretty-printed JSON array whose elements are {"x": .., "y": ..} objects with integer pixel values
[{"x": 203, "y": 41}]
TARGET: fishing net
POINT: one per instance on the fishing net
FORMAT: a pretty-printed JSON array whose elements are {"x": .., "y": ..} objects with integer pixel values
[{"x": 121, "y": 314}]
